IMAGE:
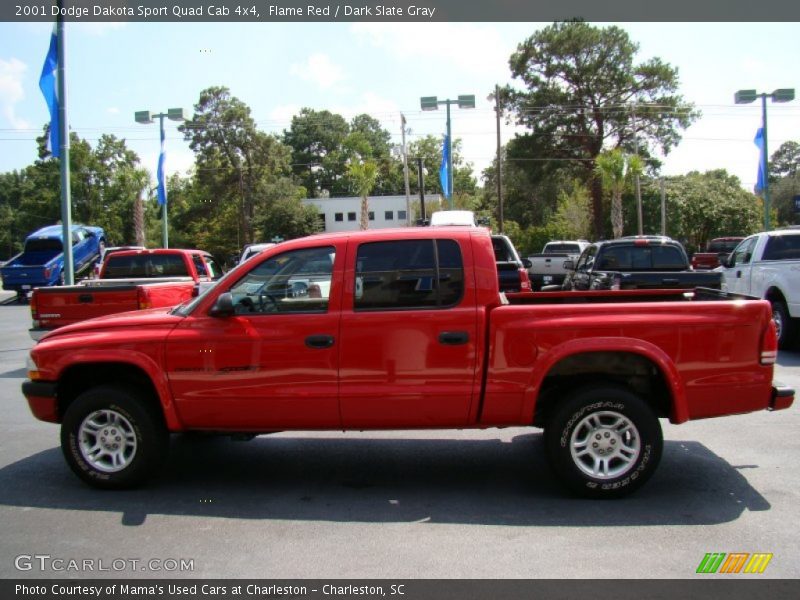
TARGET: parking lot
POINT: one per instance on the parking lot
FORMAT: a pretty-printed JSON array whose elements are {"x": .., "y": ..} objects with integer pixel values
[{"x": 439, "y": 504}]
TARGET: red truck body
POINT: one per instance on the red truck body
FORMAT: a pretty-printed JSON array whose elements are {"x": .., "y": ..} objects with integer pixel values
[
  {"x": 718, "y": 247},
  {"x": 341, "y": 356},
  {"x": 127, "y": 287}
]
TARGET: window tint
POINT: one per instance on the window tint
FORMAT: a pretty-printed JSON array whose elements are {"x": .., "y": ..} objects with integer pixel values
[
  {"x": 782, "y": 247},
  {"x": 43, "y": 245},
  {"x": 408, "y": 274},
  {"x": 744, "y": 251},
  {"x": 667, "y": 257},
  {"x": 213, "y": 269},
  {"x": 298, "y": 281},
  {"x": 562, "y": 249},
  {"x": 145, "y": 265},
  {"x": 502, "y": 253},
  {"x": 722, "y": 245}
]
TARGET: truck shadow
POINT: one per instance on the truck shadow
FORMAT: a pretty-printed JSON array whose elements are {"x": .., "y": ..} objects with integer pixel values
[{"x": 480, "y": 482}]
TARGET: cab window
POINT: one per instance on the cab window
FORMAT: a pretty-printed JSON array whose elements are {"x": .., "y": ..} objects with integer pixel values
[{"x": 298, "y": 281}]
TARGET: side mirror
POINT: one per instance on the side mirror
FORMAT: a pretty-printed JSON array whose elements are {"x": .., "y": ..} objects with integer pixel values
[
  {"x": 223, "y": 307},
  {"x": 569, "y": 265},
  {"x": 527, "y": 263}
]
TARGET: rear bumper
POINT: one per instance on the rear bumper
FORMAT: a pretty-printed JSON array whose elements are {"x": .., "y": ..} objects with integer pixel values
[
  {"x": 38, "y": 333},
  {"x": 782, "y": 397},
  {"x": 41, "y": 396}
]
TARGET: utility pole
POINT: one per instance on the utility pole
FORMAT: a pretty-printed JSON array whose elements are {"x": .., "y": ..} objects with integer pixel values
[
  {"x": 663, "y": 208},
  {"x": 499, "y": 159},
  {"x": 636, "y": 177},
  {"x": 405, "y": 170},
  {"x": 421, "y": 181}
]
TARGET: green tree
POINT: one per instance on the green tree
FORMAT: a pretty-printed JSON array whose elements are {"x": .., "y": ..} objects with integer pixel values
[
  {"x": 236, "y": 165},
  {"x": 616, "y": 170},
  {"x": 364, "y": 173},
  {"x": 785, "y": 161},
  {"x": 702, "y": 206},
  {"x": 316, "y": 139},
  {"x": 584, "y": 92}
]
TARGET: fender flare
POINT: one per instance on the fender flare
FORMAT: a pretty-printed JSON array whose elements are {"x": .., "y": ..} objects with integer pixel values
[
  {"x": 135, "y": 359},
  {"x": 679, "y": 412}
]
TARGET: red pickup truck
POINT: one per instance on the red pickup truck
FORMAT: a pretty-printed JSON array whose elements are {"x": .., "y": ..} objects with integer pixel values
[
  {"x": 128, "y": 280},
  {"x": 404, "y": 329}
]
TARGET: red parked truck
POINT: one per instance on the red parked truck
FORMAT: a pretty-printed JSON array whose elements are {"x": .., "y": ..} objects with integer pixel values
[
  {"x": 404, "y": 329},
  {"x": 718, "y": 248},
  {"x": 128, "y": 280}
]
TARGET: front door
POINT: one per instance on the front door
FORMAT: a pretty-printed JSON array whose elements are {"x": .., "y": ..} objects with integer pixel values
[{"x": 272, "y": 365}]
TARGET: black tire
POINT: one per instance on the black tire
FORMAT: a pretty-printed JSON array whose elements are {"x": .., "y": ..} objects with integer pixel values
[
  {"x": 783, "y": 323},
  {"x": 121, "y": 417},
  {"x": 631, "y": 455}
]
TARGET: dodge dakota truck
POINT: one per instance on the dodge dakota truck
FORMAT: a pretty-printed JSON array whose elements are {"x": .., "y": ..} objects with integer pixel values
[
  {"x": 403, "y": 329},
  {"x": 41, "y": 263},
  {"x": 128, "y": 280}
]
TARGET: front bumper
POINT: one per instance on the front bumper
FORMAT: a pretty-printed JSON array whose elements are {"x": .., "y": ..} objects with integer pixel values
[
  {"x": 41, "y": 396},
  {"x": 782, "y": 397}
]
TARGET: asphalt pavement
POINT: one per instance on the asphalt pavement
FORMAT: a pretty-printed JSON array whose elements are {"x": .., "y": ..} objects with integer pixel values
[{"x": 433, "y": 504}]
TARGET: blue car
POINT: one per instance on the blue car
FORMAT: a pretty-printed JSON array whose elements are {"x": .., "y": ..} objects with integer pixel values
[{"x": 41, "y": 263}]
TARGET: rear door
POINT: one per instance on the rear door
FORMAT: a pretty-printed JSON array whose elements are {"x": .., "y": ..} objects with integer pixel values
[{"x": 408, "y": 341}]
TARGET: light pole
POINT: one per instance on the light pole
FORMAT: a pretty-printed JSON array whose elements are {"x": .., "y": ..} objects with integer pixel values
[
  {"x": 432, "y": 103},
  {"x": 746, "y": 97},
  {"x": 145, "y": 117}
]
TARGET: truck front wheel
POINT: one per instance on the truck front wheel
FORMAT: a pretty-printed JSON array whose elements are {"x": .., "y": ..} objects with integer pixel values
[
  {"x": 603, "y": 442},
  {"x": 112, "y": 439}
]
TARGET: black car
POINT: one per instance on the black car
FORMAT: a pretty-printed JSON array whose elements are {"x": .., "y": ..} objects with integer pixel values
[{"x": 637, "y": 262}]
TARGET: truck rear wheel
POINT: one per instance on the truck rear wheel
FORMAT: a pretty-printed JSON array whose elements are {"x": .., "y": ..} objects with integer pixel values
[
  {"x": 112, "y": 439},
  {"x": 783, "y": 324},
  {"x": 603, "y": 442}
]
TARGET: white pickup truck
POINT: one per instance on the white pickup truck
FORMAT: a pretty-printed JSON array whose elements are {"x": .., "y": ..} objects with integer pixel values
[
  {"x": 767, "y": 265},
  {"x": 547, "y": 268}
]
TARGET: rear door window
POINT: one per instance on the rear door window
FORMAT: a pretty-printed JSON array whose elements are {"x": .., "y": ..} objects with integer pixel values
[{"x": 408, "y": 274}]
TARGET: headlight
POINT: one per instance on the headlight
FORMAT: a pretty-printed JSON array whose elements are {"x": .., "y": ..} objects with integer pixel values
[{"x": 32, "y": 368}]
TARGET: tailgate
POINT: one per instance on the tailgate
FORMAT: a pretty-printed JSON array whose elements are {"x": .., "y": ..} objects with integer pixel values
[{"x": 57, "y": 307}]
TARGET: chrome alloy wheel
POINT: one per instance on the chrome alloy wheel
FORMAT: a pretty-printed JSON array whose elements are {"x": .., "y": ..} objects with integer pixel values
[
  {"x": 605, "y": 445},
  {"x": 107, "y": 441}
]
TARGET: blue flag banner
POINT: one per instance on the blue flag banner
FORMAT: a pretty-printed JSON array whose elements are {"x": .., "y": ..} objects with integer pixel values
[
  {"x": 48, "y": 84},
  {"x": 162, "y": 186},
  {"x": 762, "y": 177},
  {"x": 443, "y": 175}
]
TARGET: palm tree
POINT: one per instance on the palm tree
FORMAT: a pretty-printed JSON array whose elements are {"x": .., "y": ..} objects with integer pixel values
[
  {"x": 364, "y": 174},
  {"x": 616, "y": 170}
]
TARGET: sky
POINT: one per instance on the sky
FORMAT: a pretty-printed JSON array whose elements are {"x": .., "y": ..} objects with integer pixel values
[{"x": 382, "y": 69}]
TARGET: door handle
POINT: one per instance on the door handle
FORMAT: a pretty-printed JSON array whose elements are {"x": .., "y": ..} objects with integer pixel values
[
  {"x": 319, "y": 341},
  {"x": 85, "y": 298},
  {"x": 453, "y": 338}
]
